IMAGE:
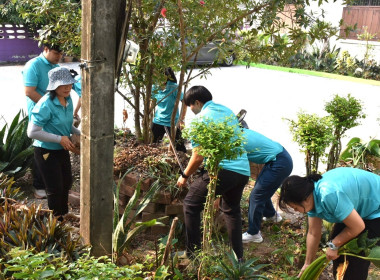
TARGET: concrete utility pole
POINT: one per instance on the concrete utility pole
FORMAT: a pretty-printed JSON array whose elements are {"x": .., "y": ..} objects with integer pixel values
[{"x": 99, "y": 48}]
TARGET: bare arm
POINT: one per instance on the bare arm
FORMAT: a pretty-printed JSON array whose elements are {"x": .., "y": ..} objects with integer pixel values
[
  {"x": 194, "y": 162},
  {"x": 79, "y": 104},
  {"x": 312, "y": 241},
  {"x": 32, "y": 94},
  {"x": 354, "y": 226}
]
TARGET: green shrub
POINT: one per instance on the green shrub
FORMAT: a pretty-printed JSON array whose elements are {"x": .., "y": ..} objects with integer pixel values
[
  {"x": 25, "y": 264},
  {"x": 16, "y": 151},
  {"x": 345, "y": 114},
  {"x": 314, "y": 135}
]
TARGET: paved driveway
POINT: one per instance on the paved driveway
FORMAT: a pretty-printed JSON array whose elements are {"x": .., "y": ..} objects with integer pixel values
[{"x": 267, "y": 95}]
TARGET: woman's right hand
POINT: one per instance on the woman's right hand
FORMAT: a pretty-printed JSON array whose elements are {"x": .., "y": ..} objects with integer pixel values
[
  {"x": 67, "y": 144},
  {"x": 303, "y": 269}
]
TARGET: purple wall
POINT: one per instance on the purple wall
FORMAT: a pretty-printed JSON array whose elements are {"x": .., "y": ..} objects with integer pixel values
[{"x": 16, "y": 44}]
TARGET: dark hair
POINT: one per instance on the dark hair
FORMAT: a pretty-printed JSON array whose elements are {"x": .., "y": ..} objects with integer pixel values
[
  {"x": 52, "y": 94},
  {"x": 296, "y": 189},
  {"x": 53, "y": 47},
  {"x": 199, "y": 93},
  {"x": 170, "y": 75}
]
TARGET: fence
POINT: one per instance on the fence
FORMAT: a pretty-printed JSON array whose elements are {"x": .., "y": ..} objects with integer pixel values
[
  {"x": 362, "y": 16},
  {"x": 16, "y": 44}
]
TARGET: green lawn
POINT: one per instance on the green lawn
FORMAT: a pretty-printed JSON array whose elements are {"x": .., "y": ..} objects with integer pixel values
[{"x": 312, "y": 73}]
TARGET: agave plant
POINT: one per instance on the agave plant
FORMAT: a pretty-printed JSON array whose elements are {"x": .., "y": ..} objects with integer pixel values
[
  {"x": 357, "y": 246},
  {"x": 126, "y": 227},
  {"x": 35, "y": 228},
  {"x": 16, "y": 152},
  {"x": 236, "y": 270}
]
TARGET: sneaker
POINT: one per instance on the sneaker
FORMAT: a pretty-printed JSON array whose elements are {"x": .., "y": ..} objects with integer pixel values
[
  {"x": 39, "y": 193},
  {"x": 275, "y": 219},
  {"x": 257, "y": 238},
  {"x": 180, "y": 254}
]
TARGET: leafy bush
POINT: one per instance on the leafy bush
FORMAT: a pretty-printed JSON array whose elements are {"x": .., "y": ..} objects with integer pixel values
[
  {"x": 16, "y": 152},
  {"x": 25, "y": 264},
  {"x": 58, "y": 21},
  {"x": 345, "y": 114},
  {"x": 346, "y": 64},
  {"x": 217, "y": 140},
  {"x": 314, "y": 135}
]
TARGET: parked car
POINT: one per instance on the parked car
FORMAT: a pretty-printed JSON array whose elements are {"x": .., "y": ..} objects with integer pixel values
[{"x": 209, "y": 53}]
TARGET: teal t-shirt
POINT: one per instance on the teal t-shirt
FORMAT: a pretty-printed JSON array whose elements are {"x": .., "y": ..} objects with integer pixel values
[
  {"x": 343, "y": 189},
  {"x": 53, "y": 118},
  {"x": 260, "y": 149},
  {"x": 217, "y": 112},
  {"x": 77, "y": 87},
  {"x": 35, "y": 74},
  {"x": 165, "y": 106}
]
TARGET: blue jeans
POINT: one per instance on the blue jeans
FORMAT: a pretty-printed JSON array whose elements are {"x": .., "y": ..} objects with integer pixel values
[{"x": 268, "y": 181}]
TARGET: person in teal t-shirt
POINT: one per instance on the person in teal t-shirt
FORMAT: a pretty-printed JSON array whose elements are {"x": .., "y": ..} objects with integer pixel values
[
  {"x": 36, "y": 80},
  {"x": 165, "y": 100},
  {"x": 51, "y": 126},
  {"x": 348, "y": 197},
  {"x": 278, "y": 165},
  {"x": 232, "y": 178}
]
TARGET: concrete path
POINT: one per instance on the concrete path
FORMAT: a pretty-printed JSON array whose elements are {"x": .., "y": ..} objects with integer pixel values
[{"x": 267, "y": 95}]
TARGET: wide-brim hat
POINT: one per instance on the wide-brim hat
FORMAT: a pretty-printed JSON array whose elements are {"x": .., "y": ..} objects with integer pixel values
[{"x": 59, "y": 76}]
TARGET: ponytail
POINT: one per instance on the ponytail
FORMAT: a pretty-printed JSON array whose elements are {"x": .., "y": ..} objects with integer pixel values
[{"x": 296, "y": 189}]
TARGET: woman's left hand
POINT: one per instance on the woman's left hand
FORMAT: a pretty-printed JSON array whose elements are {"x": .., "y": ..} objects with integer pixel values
[{"x": 332, "y": 254}]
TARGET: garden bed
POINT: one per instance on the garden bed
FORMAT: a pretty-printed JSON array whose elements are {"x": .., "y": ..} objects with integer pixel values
[{"x": 283, "y": 244}]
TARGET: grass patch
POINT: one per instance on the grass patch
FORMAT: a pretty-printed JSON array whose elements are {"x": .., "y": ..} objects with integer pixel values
[{"x": 312, "y": 73}]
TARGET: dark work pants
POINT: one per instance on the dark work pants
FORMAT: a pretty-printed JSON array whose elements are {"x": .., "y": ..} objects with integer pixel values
[
  {"x": 159, "y": 132},
  {"x": 268, "y": 181},
  {"x": 55, "y": 168},
  {"x": 38, "y": 183},
  {"x": 230, "y": 187},
  {"x": 357, "y": 268}
]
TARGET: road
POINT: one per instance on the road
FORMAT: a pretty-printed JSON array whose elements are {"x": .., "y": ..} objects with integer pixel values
[{"x": 269, "y": 96}]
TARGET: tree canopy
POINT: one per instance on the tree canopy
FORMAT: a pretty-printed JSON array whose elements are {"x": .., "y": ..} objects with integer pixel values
[{"x": 171, "y": 32}]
